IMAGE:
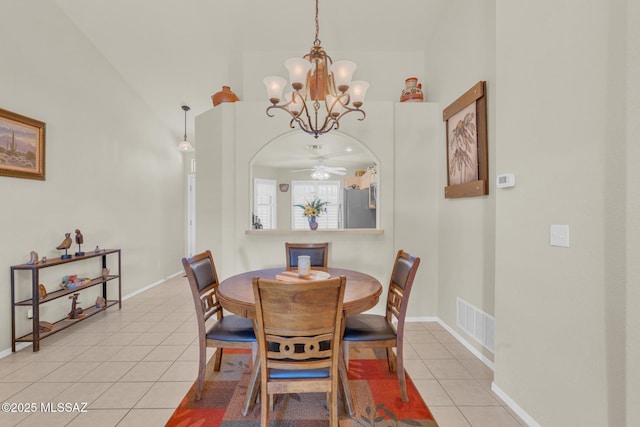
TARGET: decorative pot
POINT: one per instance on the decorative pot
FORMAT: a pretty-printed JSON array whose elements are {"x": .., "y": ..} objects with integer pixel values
[
  {"x": 225, "y": 95},
  {"x": 413, "y": 91},
  {"x": 312, "y": 223}
]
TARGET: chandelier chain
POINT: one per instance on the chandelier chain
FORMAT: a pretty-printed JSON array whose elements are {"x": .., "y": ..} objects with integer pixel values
[{"x": 316, "y": 42}]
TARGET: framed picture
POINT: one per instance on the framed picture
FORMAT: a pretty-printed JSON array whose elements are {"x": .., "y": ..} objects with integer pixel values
[
  {"x": 22, "y": 146},
  {"x": 467, "y": 153}
]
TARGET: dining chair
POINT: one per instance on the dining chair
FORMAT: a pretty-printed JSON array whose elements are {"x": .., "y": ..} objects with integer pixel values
[
  {"x": 298, "y": 328},
  {"x": 378, "y": 331},
  {"x": 229, "y": 331},
  {"x": 318, "y": 253}
]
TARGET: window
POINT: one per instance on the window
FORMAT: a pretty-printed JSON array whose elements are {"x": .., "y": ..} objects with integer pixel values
[
  {"x": 264, "y": 204},
  {"x": 305, "y": 191}
]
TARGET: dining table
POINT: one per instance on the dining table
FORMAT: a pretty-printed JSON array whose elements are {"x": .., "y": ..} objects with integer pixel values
[{"x": 235, "y": 293}]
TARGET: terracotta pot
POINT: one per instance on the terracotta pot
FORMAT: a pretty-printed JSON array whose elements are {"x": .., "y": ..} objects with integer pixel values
[
  {"x": 412, "y": 92},
  {"x": 225, "y": 95}
]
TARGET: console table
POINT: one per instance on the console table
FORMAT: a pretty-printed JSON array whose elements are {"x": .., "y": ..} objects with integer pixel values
[{"x": 36, "y": 300}]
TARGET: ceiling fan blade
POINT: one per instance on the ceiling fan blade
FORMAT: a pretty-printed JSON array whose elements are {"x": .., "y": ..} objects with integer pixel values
[
  {"x": 336, "y": 170},
  {"x": 302, "y": 170}
]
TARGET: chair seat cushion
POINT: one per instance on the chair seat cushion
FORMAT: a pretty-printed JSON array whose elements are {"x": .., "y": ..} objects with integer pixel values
[
  {"x": 284, "y": 374},
  {"x": 368, "y": 327},
  {"x": 232, "y": 328}
]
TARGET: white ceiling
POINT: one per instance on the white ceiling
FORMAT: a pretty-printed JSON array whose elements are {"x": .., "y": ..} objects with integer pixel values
[{"x": 157, "y": 46}]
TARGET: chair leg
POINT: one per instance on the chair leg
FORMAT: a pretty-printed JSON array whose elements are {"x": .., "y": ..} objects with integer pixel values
[
  {"x": 402, "y": 380},
  {"x": 218, "y": 359},
  {"x": 391, "y": 359},
  {"x": 345, "y": 353},
  {"x": 264, "y": 408},
  {"x": 332, "y": 402},
  {"x": 201, "y": 371}
]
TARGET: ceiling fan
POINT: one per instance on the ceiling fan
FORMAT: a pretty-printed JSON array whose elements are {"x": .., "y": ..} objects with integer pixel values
[{"x": 321, "y": 171}]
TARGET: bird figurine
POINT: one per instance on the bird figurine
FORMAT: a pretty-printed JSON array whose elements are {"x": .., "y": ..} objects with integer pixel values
[
  {"x": 79, "y": 241},
  {"x": 33, "y": 258},
  {"x": 66, "y": 244}
]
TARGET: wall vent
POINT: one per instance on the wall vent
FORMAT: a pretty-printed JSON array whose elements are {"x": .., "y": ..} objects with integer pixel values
[{"x": 476, "y": 323}]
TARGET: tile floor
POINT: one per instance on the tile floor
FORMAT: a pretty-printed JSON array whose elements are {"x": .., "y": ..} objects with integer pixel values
[{"x": 132, "y": 367}]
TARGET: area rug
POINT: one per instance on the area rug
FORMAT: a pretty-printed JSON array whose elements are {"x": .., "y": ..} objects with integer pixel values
[{"x": 374, "y": 391}]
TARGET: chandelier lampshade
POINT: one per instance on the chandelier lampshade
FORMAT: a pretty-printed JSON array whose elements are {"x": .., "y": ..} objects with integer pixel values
[{"x": 323, "y": 90}]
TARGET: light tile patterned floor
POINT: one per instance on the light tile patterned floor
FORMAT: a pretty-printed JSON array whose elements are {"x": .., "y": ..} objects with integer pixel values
[{"x": 132, "y": 367}]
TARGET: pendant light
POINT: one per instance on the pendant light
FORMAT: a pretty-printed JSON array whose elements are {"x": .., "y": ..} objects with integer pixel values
[{"x": 185, "y": 145}]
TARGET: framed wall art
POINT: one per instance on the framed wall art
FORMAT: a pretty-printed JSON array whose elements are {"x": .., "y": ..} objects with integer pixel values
[
  {"x": 467, "y": 152},
  {"x": 22, "y": 146}
]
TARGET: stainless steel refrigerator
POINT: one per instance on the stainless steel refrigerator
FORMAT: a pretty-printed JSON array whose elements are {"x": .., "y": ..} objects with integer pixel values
[{"x": 357, "y": 213}]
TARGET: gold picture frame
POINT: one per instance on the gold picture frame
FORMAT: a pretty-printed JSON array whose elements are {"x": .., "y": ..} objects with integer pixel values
[
  {"x": 22, "y": 146},
  {"x": 467, "y": 152}
]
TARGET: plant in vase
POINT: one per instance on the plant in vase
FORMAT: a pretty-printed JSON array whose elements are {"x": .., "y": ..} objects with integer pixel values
[{"x": 312, "y": 211}]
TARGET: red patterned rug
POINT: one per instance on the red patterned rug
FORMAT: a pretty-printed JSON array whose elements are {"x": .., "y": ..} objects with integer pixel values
[{"x": 374, "y": 390}]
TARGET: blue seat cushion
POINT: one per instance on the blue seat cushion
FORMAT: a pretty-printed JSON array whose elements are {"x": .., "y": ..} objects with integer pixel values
[
  {"x": 285, "y": 374},
  {"x": 232, "y": 328},
  {"x": 368, "y": 327}
]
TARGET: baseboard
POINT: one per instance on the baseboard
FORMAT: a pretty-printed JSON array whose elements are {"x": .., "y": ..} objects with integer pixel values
[
  {"x": 153, "y": 285},
  {"x": 514, "y": 406},
  {"x": 505, "y": 398},
  {"x": 21, "y": 345}
]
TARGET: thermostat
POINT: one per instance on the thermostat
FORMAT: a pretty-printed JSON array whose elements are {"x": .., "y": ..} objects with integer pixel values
[{"x": 506, "y": 180}]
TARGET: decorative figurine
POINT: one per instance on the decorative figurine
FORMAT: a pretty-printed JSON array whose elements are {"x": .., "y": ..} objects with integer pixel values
[
  {"x": 43, "y": 291},
  {"x": 97, "y": 249},
  {"x": 33, "y": 258},
  {"x": 79, "y": 241},
  {"x": 45, "y": 326},
  {"x": 75, "y": 310},
  {"x": 66, "y": 244},
  {"x": 105, "y": 273},
  {"x": 44, "y": 259},
  {"x": 413, "y": 91},
  {"x": 100, "y": 302}
]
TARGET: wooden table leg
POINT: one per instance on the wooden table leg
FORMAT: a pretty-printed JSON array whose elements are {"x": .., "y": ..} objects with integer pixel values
[
  {"x": 253, "y": 388},
  {"x": 344, "y": 380}
]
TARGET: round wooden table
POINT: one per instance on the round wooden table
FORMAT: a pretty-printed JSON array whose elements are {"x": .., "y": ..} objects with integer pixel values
[
  {"x": 236, "y": 295},
  {"x": 236, "y": 292}
]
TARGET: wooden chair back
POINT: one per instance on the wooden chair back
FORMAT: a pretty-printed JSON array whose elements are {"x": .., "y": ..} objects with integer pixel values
[
  {"x": 404, "y": 272},
  {"x": 299, "y": 326},
  {"x": 319, "y": 253},
  {"x": 203, "y": 281}
]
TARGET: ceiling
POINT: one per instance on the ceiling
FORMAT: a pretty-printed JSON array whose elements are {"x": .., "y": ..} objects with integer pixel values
[{"x": 174, "y": 53}]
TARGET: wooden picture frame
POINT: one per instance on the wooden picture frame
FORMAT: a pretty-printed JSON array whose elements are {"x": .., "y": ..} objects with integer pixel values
[
  {"x": 467, "y": 152},
  {"x": 22, "y": 146}
]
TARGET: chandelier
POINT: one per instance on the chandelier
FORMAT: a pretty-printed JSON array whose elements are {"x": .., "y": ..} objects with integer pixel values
[{"x": 322, "y": 93}]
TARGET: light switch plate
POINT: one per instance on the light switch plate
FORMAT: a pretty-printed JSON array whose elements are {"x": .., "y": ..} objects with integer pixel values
[{"x": 559, "y": 235}]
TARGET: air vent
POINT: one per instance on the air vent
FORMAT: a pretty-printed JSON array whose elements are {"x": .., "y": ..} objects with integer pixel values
[{"x": 476, "y": 323}]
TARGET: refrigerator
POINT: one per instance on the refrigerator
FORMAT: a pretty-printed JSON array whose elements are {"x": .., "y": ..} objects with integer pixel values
[{"x": 357, "y": 213}]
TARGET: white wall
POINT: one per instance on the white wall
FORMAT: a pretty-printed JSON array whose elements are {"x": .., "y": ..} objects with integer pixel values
[
  {"x": 461, "y": 53},
  {"x": 632, "y": 268},
  {"x": 560, "y": 311},
  {"x": 403, "y": 137},
  {"x": 111, "y": 167}
]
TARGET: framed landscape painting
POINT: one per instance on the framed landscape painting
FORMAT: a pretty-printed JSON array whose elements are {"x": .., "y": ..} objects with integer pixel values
[
  {"x": 467, "y": 156},
  {"x": 22, "y": 146}
]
